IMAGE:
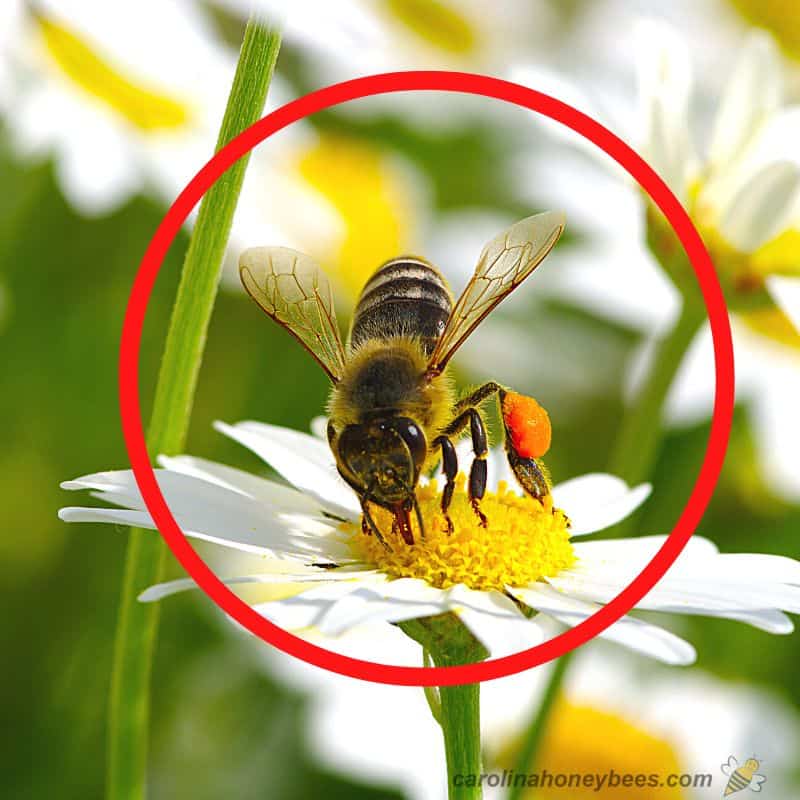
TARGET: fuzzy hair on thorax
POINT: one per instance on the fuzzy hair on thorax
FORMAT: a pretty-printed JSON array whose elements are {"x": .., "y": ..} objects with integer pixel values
[{"x": 389, "y": 375}]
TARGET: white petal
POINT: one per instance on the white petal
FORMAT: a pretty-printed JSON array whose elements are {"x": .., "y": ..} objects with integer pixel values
[
  {"x": 747, "y": 569},
  {"x": 752, "y": 93},
  {"x": 303, "y": 460},
  {"x": 494, "y": 620},
  {"x": 95, "y": 185},
  {"x": 694, "y": 597},
  {"x": 634, "y": 553},
  {"x": 335, "y": 610},
  {"x": 305, "y": 610},
  {"x": 665, "y": 82},
  {"x": 761, "y": 207},
  {"x": 633, "y": 633},
  {"x": 215, "y": 514},
  {"x": 786, "y": 293},
  {"x": 319, "y": 427},
  {"x": 549, "y": 81},
  {"x": 160, "y": 590},
  {"x": 368, "y": 605},
  {"x": 774, "y": 416},
  {"x": 275, "y": 495},
  {"x": 597, "y": 501}
]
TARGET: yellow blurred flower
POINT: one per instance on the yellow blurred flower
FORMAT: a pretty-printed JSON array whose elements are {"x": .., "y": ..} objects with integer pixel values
[
  {"x": 123, "y": 97},
  {"x": 779, "y": 17},
  {"x": 344, "y": 201}
]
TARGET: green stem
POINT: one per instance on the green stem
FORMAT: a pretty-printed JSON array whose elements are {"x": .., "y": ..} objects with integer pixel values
[
  {"x": 138, "y": 623},
  {"x": 632, "y": 459},
  {"x": 526, "y": 760},
  {"x": 639, "y": 437},
  {"x": 461, "y": 725},
  {"x": 447, "y": 642}
]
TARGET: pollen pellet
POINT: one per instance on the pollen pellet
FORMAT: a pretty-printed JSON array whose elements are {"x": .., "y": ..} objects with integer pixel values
[{"x": 528, "y": 424}]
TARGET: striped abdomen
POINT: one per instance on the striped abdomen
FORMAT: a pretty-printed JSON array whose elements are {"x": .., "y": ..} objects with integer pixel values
[{"x": 405, "y": 297}]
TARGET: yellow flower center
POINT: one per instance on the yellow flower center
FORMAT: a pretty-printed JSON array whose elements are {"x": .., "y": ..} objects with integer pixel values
[
  {"x": 743, "y": 275},
  {"x": 584, "y": 740},
  {"x": 142, "y": 106},
  {"x": 524, "y": 541},
  {"x": 370, "y": 198},
  {"x": 779, "y": 17},
  {"x": 436, "y": 23},
  {"x": 775, "y": 325}
]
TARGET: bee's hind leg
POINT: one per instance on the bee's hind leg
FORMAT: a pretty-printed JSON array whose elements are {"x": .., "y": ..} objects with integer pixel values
[{"x": 531, "y": 475}]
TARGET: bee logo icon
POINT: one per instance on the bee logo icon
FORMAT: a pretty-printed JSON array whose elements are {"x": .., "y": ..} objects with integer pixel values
[{"x": 743, "y": 777}]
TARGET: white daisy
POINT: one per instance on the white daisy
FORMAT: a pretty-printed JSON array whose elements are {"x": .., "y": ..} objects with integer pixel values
[
  {"x": 529, "y": 556},
  {"x": 124, "y": 96},
  {"x": 743, "y": 193},
  {"x": 612, "y": 715}
]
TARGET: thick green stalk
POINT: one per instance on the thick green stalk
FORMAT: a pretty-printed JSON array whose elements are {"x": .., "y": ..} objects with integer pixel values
[
  {"x": 637, "y": 444},
  {"x": 531, "y": 744},
  {"x": 138, "y": 623},
  {"x": 461, "y": 725},
  {"x": 447, "y": 642}
]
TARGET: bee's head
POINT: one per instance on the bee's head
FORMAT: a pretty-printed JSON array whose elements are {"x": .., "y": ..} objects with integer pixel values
[{"x": 383, "y": 457}]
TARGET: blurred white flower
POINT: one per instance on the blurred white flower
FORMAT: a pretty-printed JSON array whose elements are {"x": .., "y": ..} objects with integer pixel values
[
  {"x": 350, "y": 204},
  {"x": 632, "y": 717},
  {"x": 743, "y": 193},
  {"x": 123, "y": 96},
  {"x": 614, "y": 714},
  {"x": 360, "y": 37},
  {"x": 486, "y": 576}
]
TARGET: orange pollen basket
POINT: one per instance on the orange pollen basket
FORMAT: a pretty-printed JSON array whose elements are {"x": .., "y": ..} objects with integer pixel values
[{"x": 528, "y": 424}]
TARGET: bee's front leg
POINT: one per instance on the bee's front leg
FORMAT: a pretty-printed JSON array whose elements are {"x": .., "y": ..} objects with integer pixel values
[
  {"x": 450, "y": 469},
  {"x": 368, "y": 524}
]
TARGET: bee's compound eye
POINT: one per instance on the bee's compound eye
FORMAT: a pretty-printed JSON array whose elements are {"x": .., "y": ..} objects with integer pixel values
[{"x": 414, "y": 439}]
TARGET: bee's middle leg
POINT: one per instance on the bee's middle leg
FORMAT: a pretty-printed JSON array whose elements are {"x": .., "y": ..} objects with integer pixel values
[{"x": 480, "y": 449}]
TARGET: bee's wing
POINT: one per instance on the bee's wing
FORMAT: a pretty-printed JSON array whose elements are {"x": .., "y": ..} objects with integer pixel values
[
  {"x": 757, "y": 783},
  {"x": 730, "y": 765},
  {"x": 504, "y": 263},
  {"x": 292, "y": 289}
]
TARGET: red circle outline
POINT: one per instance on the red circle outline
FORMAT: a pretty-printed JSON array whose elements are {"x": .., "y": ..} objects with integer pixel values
[{"x": 465, "y": 83}]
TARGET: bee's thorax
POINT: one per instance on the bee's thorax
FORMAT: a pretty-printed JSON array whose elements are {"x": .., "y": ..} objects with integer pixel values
[{"x": 388, "y": 377}]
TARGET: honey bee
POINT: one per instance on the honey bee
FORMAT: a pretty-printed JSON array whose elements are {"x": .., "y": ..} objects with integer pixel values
[
  {"x": 744, "y": 776},
  {"x": 392, "y": 407}
]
